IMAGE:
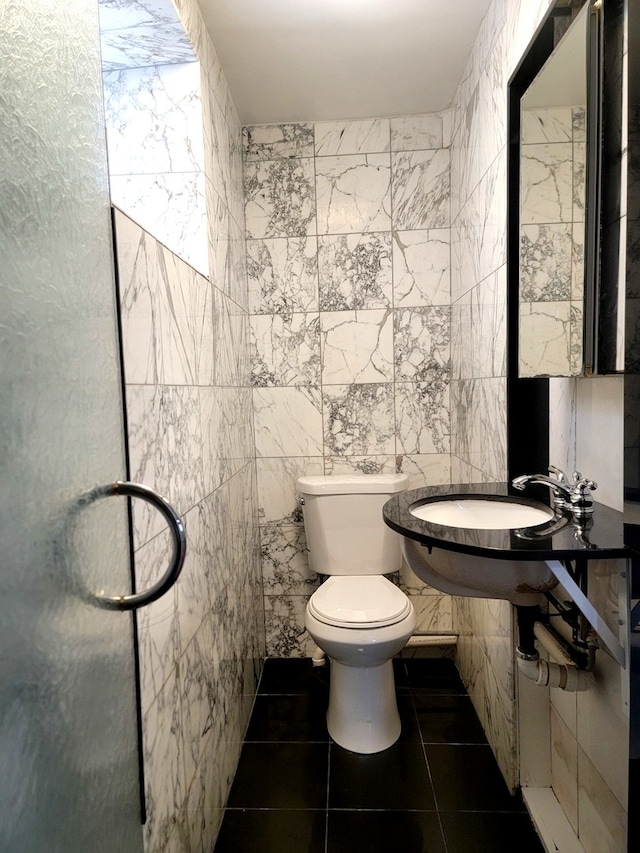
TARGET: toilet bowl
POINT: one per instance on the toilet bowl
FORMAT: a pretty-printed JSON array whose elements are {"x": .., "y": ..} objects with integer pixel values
[{"x": 357, "y": 616}]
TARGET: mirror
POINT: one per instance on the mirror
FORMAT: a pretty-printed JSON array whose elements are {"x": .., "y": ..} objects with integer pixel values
[{"x": 557, "y": 209}]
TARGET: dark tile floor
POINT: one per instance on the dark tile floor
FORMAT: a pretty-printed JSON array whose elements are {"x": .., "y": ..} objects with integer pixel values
[{"x": 437, "y": 790}]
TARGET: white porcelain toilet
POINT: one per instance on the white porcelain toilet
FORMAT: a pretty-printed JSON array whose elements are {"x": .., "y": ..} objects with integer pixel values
[{"x": 357, "y": 617}]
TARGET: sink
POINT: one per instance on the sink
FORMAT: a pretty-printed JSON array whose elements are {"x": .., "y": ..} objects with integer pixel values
[
  {"x": 464, "y": 555},
  {"x": 474, "y": 513}
]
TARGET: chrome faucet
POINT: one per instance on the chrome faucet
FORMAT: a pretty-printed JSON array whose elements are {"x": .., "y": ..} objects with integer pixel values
[{"x": 567, "y": 495}]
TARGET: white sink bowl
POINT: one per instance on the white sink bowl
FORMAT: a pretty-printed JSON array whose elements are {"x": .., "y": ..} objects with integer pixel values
[
  {"x": 478, "y": 514},
  {"x": 519, "y": 581}
]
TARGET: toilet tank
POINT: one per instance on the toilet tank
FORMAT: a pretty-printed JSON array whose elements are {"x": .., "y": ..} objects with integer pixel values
[{"x": 346, "y": 534}]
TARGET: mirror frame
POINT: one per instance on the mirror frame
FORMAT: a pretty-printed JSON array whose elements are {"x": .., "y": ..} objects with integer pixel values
[{"x": 543, "y": 44}]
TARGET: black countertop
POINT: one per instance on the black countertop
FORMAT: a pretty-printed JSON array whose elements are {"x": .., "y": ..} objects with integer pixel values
[{"x": 603, "y": 536}]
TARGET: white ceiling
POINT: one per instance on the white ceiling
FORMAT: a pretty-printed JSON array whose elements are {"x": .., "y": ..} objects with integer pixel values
[{"x": 297, "y": 60}]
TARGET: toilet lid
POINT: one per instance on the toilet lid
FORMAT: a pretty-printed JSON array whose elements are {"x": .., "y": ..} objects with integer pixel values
[{"x": 359, "y": 601}]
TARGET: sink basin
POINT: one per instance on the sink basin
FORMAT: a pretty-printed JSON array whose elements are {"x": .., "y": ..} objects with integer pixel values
[
  {"x": 473, "y": 513},
  {"x": 479, "y": 519}
]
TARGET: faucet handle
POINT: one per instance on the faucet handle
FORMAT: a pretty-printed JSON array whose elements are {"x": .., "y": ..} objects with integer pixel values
[
  {"x": 558, "y": 473},
  {"x": 583, "y": 483}
]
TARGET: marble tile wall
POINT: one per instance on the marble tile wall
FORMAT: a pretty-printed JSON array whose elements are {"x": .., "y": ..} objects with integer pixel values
[
  {"x": 552, "y": 241},
  {"x": 186, "y": 351},
  {"x": 586, "y": 782},
  {"x": 153, "y": 109},
  {"x": 478, "y": 333},
  {"x": 348, "y": 256}
]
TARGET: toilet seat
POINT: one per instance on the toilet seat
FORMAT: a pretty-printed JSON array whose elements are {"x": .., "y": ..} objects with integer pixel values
[{"x": 362, "y": 601}]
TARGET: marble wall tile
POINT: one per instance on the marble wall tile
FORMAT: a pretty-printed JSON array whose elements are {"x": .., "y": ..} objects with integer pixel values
[
  {"x": 422, "y": 417},
  {"x": 421, "y": 189},
  {"x": 278, "y": 499},
  {"x": 369, "y": 136},
  {"x": 546, "y": 328},
  {"x": 280, "y": 198},
  {"x": 354, "y": 271},
  {"x": 283, "y": 275},
  {"x": 423, "y": 344},
  {"x": 417, "y": 132},
  {"x": 165, "y": 136},
  {"x": 431, "y": 469},
  {"x": 353, "y": 193},
  {"x": 546, "y": 182},
  {"x": 285, "y": 349},
  {"x": 478, "y": 329},
  {"x": 546, "y": 252},
  {"x": 564, "y": 768},
  {"x": 274, "y": 141},
  {"x": 357, "y": 346},
  {"x": 478, "y": 428},
  {"x": 172, "y": 207},
  {"x": 433, "y": 612},
  {"x": 143, "y": 45},
  {"x": 288, "y": 421},
  {"x": 547, "y": 125},
  {"x": 284, "y": 625},
  {"x": 285, "y": 561},
  {"x": 231, "y": 333},
  {"x": 227, "y": 433},
  {"x": 421, "y": 267},
  {"x": 227, "y": 251},
  {"x": 374, "y": 464},
  {"x": 358, "y": 419},
  {"x": 602, "y": 821}
]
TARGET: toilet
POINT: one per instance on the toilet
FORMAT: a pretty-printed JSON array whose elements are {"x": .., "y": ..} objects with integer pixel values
[{"x": 357, "y": 617}]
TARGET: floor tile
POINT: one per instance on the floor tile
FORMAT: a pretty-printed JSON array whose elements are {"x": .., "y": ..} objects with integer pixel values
[
  {"x": 434, "y": 675},
  {"x": 281, "y": 776},
  {"x": 396, "y": 778},
  {"x": 467, "y": 777},
  {"x": 288, "y": 718},
  {"x": 290, "y": 676},
  {"x": 448, "y": 719},
  {"x": 384, "y": 832},
  {"x": 272, "y": 831},
  {"x": 489, "y": 832}
]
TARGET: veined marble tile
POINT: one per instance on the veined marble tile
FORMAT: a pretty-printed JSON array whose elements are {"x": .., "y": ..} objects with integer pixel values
[
  {"x": 360, "y": 465},
  {"x": 602, "y": 821},
  {"x": 420, "y": 189},
  {"x": 275, "y": 141},
  {"x": 122, "y": 14},
  {"x": 284, "y": 624},
  {"x": 138, "y": 273},
  {"x": 154, "y": 119},
  {"x": 554, "y": 124},
  {"x": 285, "y": 349},
  {"x": 218, "y": 153},
  {"x": 145, "y": 45},
  {"x": 288, "y": 421},
  {"x": 564, "y": 767},
  {"x": 358, "y": 419},
  {"x": 546, "y": 329},
  {"x": 164, "y": 767},
  {"x": 285, "y": 561},
  {"x": 367, "y": 136},
  {"x": 423, "y": 344},
  {"x": 478, "y": 425},
  {"x": 230, "y": 341},
  {"x": 354, "y": 271},
  {"x": 165, "y": 449},
  {"x": 280, "y": 198},
  {"x": 283, "y": 275},
  {"x": 546, "y": 183},
  {"x": 357, "y": 346},
  {"x": 579, "y": 123},
  {"x": 417, "y": 132},
  {"x": 422, "y": 417},
  {"x": 577, "y": 262},
  {"x": 478, "y": 329},
  {"x": 545, "y": 262},
  {"x": 278, "y": 499},
  {"x": 172, "y": 207},
  {"x": 579, "y": 176},
  {"x": 353, "y": 193},
  {"x": 433, "y": 613},
  {"x": 421, "y": 268},
  {"x": 430, "y": 469},
  {"x": 562, "y": 423}
]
